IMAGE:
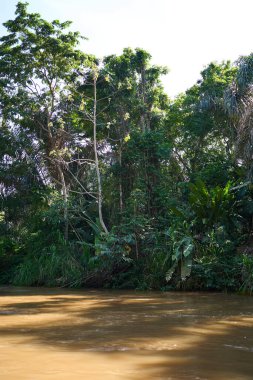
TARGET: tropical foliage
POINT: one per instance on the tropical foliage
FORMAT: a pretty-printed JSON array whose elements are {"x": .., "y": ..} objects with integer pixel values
[{"x": 105, "y": 181}]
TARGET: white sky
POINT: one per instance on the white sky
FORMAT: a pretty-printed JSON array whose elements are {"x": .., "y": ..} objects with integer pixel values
[{"x": 184, "y": 35}]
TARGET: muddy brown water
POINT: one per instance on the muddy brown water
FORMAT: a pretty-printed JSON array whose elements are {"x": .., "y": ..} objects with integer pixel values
[{"x": 86, "y": 334}]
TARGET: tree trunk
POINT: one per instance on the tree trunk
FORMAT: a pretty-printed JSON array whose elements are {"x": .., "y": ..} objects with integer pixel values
[
  {"x": 100, "y": 197},
  {"x": 65, "y": 200},
  {"x": 145, "y": 122},
  {"x": 120, "y": 181}
]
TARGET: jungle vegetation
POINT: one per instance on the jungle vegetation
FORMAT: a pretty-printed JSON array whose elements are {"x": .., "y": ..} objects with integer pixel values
[{"x": 106, "y": 182}]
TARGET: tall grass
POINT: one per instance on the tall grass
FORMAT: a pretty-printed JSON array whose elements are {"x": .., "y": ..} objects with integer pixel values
[{"x": 50, "y": 268}]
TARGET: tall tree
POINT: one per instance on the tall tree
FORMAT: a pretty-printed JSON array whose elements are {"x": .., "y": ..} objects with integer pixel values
[{"x": 37, "y": 62}]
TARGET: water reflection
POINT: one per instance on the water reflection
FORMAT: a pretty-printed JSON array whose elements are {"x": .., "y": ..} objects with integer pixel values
[{"x": 58, "y": 334}]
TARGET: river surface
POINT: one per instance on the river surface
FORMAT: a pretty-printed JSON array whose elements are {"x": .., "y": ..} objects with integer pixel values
[{"x": 86, "y": 334}]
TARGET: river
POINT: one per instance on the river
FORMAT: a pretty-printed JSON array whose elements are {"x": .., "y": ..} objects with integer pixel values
[{"x": 90, "y": 334}]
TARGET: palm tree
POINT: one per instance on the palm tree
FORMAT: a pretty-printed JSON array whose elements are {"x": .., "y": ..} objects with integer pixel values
[{"x": 238, "y": 102}]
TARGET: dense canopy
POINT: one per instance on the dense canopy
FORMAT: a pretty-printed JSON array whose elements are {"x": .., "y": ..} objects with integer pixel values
[{"x": 105, "y": 181}]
